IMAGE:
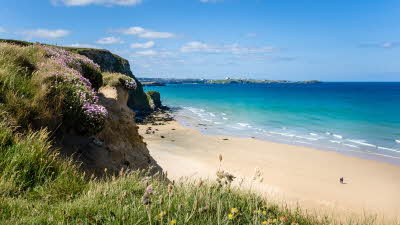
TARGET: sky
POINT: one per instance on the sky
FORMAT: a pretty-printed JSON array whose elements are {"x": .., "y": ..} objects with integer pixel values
[{"x": 328, "y": 40}]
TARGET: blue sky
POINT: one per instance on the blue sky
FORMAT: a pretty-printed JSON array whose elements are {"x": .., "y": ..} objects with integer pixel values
[{"x": 337, "y": 40}]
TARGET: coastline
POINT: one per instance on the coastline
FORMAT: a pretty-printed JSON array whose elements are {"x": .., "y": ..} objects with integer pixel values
[{"x": 293, "y": 175}]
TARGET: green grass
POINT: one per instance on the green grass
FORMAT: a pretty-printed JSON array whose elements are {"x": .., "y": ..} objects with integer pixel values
[{"x": 114, "y": 79}]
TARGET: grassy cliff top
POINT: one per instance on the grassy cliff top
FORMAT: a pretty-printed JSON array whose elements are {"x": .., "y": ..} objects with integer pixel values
[{"x": 72, "y": 49}]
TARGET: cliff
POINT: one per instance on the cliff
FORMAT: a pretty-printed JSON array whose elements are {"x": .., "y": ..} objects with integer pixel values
[
  {"x": 85, "y": 111},
  {"x": 108, "y": 62}
]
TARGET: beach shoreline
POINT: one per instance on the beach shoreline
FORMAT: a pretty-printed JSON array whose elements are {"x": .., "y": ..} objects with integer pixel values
[{"x": 292, "y": 175}]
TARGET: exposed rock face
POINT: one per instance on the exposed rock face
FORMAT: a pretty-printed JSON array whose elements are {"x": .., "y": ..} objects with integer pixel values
[
  {"x": 154, "y": 99},
  {"x": 109, "y": 62},
  {"x": 118, "y": 146},
  {"x": 106, "y": 60}
]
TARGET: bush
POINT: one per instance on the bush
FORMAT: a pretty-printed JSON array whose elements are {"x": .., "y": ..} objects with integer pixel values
[{"x": 93, "y": 73}]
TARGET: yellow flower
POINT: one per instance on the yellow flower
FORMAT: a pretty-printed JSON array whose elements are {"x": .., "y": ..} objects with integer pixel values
[
  {"x": 264, "y": 212},
  {"x": 173, "y": 222},
  {"x": 231, "y": 216},
  {"x": 264, "y": 222},
  {"x": 274, "y": 220},
  {"x": 234, "y": 210},
  {"x": 162, "y": 213}
]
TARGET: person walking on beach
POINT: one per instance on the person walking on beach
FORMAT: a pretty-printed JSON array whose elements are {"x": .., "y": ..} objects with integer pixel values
[{"x": 341, "y": 180}]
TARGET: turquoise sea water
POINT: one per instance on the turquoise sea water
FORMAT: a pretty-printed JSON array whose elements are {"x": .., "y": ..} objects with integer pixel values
[{"x": 361, "y": 119}]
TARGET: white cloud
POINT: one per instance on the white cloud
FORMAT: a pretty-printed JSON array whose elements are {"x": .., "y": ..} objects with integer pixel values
[
  {"x": 148, "y": 44},
  {"x": 201, "y": 47},
  {"x": 391, "y": 44},
  {"x": 109, "y": 40},
  {"x": 143, "y": 33},
  {"x": 196, "y": 46},
  {"x": 46, "y": 34},
  {"x": 78, "y": 45},
  {"x": 2, "y": 30},
  {"x": 147, "y": 53},
  {"x": 97, "y": 2}
]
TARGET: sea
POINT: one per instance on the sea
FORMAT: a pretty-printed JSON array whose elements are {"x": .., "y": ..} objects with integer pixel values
[{"x": 360, "y": 119}]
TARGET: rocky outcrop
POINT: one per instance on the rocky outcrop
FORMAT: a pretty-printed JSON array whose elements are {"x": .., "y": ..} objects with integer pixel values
[
  {"x": 154, "y": 99},
  {"x": 118, "y": 146},
  {"x": 112, "y": 63},
  {"x": 106, "y": 60}
]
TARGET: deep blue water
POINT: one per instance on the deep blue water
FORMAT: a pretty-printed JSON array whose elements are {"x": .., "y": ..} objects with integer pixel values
[{"x": 361, "y": 119}]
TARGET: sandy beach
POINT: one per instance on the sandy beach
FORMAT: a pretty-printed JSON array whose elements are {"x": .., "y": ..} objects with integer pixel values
[{"x": 291, "y": 174}]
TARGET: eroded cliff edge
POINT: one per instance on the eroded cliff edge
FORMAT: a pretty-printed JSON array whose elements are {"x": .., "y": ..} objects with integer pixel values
[{"x": 63, "y": 91}]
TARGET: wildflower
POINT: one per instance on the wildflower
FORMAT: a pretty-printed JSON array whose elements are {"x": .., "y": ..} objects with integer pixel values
[
  {"x": 130, "y": 84},
  {"x": 274, "y": 220},
  {"x": 146, "y": 200},
  {"x": 231, "y": 216},
  {"x": 149, "y": 189},
  {"x": 173, "y": 222},
  {"x": 161, "y": 214},
  {"x": 234, "y": 210},
  {"x": 257, "y": 211},
  {"x": 264, "y": 222},
  {"x": 264, "y": 212}
]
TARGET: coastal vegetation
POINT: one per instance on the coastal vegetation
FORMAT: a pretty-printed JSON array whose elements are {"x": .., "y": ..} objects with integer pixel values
[{"x": 47, "y": 93}]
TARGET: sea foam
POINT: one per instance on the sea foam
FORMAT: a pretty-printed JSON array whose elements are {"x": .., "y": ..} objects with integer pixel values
[{"x": 362, "y": 142}]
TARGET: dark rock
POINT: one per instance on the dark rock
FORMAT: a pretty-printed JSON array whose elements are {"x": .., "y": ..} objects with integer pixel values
[{"x": 154, "y": 99}]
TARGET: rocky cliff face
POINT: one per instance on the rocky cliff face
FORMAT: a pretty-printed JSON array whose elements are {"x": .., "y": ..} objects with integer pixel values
[
  {"x": 109, "y": 62},
  {"x": 154, "y": 99},
  {"x": 118, "y": 146},
  {"x": 86, "y": 118}
]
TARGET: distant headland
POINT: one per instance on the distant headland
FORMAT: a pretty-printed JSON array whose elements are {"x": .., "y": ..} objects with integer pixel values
[{"x": 164, "y": 81}]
